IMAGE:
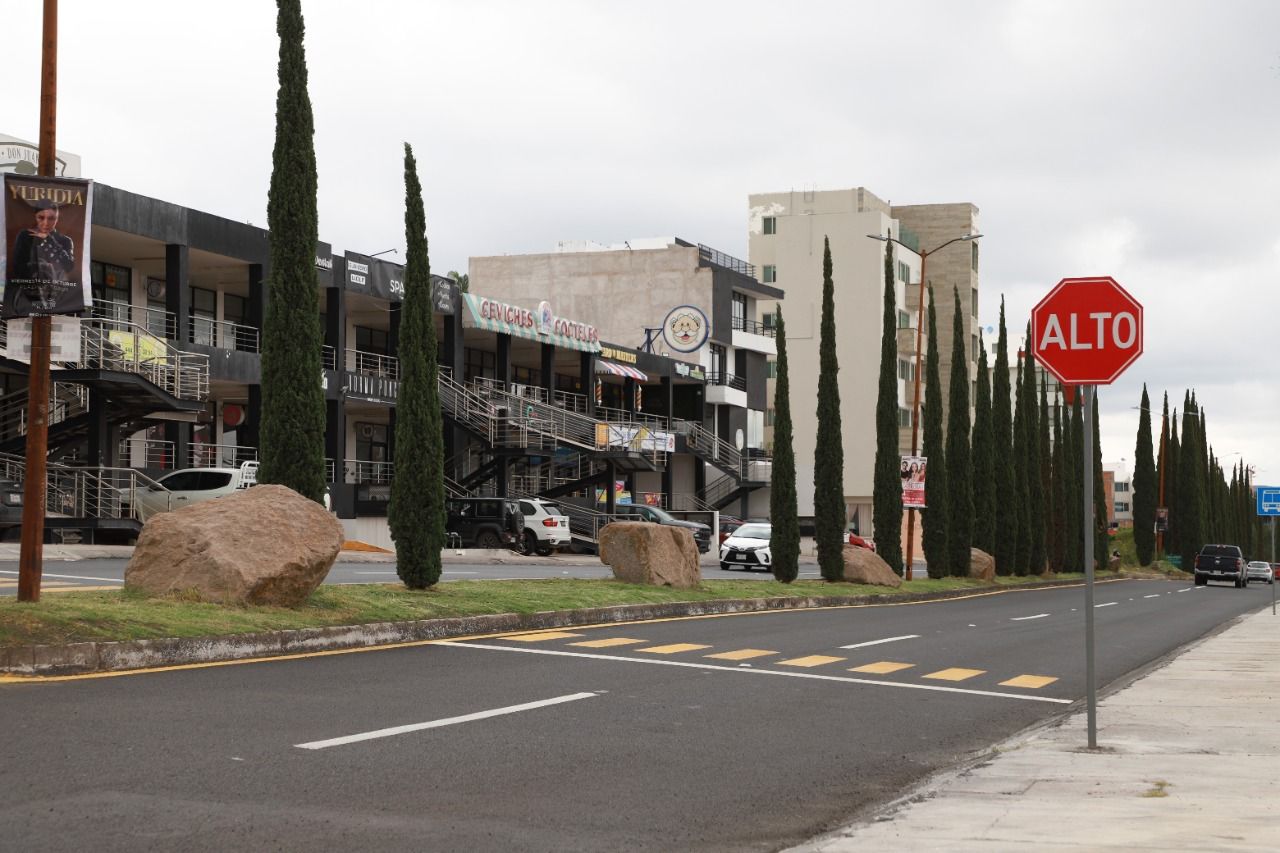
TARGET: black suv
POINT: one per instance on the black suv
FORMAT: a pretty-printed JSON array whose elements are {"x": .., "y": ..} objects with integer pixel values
[
  {"x": 643, "y": 512},
  {"x": 484, "y": 523}
]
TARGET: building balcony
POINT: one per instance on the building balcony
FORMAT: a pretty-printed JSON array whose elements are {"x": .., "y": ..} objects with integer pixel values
[
  {"x": 372, "y": 364},
  {"x": 753, "y": 336},
  {"x": 725, "y": 389}
]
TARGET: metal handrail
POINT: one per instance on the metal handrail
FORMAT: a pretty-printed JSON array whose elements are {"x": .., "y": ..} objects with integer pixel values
[
  {"x": 754, "y": 327},
  {"x": 729, "y": 262},
  {"x": 328, "y": 357},
  {"x": 366, "y": 472},
  {"x": 66, "y": 400},
  {"x": 221, "y": 455},
  {"x": 156, "y": 321},
  {"x": 371, "y": 364},
  {"x": 88, "y": 492},
  {"x": 728, "y": 380},
  {"x": 223, "y": 334},
  {"x": 108, "y": 344},
  {"x": 155, "y": 453}
]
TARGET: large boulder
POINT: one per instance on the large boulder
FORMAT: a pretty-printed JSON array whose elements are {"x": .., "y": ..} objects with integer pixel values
[
  {"x": 265, "y": 545},
  {"x": 981, "y": 565},
  {"x": 653, "y": 554},
  {"x": 864, "y": 566}
]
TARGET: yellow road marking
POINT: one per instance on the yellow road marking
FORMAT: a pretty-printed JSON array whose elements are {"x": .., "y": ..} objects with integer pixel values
[
  {"x": 539, "y": 636},
  {"x": 81, "y": 589},
  {"x": 810, "y": 660},
  {"x": 741, "y": 654},
  {"x": 606, "y": 643},
  {"x": 1028, "y": 681},
  {"x": 674, "y": 648},
  {"x": 955, "y": 674},
  {"x": 883, "y": 667}
]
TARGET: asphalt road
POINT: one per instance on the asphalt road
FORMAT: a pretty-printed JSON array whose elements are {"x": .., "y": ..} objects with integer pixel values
[{"x": 746, "y": 732}]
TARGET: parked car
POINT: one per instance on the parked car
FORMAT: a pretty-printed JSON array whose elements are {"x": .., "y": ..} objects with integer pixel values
[
  {"x": 484, "y": 523},
  {"x": 10, "y": 507},
  {"x": 193, "y": 485},
  {"x": 643, "y": 512},
  {"x": 1221, "y": 563},
  {"x": 747, "y": 548},
  {"x": 546, "y": 528},
  {"x": 728, "y": 524},
  {"x": 859, "y": 541},
  {"x": 1260, "y": 570}
]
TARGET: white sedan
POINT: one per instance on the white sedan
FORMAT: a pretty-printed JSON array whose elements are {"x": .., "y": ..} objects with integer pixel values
[{"x": 1257, "y": 570}]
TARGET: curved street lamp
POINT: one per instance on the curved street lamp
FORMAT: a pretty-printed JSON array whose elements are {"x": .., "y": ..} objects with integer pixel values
[{"x": 915, "y": 403}]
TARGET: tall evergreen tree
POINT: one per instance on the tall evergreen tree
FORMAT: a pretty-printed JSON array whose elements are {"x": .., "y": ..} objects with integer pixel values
[
  {"x": 293, "y": 416},
  {"x": 416, "y": 514},
  {"x": 1048, "y": 511},
  {"x": 1058, "y": 554},
  {"x": 1035, "y": 495},
  {"x": 1101, "y": 527},
  {"x": 887, "y": 488},
  {"x": 1172, "y": 545},
  {"x": 934, "y": 518},
  {"x": 1191, "y": 475},
  {"x": 784, "y": 542},
  {"x": 959, "y": 464},
  {"x": 984, "y": 486},
  {"x": 1162, "y": 467},
  {"x": 1144, "y": 487},
  {"x": 1006, "y": 527},
  {"x": 1021, "y": 476},
  {"x": 828, "y": 478}
]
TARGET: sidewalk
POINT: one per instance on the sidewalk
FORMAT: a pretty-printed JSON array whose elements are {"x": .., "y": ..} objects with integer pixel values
[{"x": 1190, "y": 760}]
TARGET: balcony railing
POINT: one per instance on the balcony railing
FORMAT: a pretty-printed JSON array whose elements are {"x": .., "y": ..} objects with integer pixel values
[
  {"x": 328, "y": 358},
  {"x": 372, "y": 364},
  {"x": 728, "y": 380},
  {"x": 146, "y": 453},
  {"x": 221, "y": 455},
  {"x": 223, "y": 334},
  {"x": 755, "y": 327},
  {"x": 729, "y": 262},
  {"x": 365, "y": 472},
  {"x": 154, "y": 320}
]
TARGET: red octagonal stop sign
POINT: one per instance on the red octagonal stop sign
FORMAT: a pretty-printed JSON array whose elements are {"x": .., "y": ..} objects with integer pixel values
[{"x": 1087, "y": 331}]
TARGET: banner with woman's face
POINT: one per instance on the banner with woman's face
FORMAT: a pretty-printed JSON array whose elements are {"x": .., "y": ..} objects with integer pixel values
[
  {"x": 44, "y": 259},
  {"x": 913, "y": 477}
]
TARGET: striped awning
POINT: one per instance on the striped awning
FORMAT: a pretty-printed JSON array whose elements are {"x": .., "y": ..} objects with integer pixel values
[
  {"x": 535, "y": 325},
  {"x": 603, "y": 366}
]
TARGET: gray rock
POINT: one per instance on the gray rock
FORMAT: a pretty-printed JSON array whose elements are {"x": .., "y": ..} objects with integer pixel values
[{"x": 652, "y": 554}]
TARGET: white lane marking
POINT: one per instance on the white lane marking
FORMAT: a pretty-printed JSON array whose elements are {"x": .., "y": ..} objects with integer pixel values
[
  {"x": 705, "y": 666},
  {"x": 1152, "y": 595},
  {"x": 447, "y": 721},
  {"x": 1108, "y": 604},
  {"x": 1187, "y": 589},
  {"x": 384, "y": 572},
  {"x": 1025, "y": 618},
  {"x": 885, "y": 640},
  {"x": 69, "y": 577}
]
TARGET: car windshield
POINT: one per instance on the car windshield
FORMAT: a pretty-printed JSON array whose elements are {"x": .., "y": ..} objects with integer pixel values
[{"x": 753, "y": 531}]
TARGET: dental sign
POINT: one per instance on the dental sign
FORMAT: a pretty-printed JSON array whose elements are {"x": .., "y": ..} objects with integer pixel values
[{"x": 1087, "y": 331}]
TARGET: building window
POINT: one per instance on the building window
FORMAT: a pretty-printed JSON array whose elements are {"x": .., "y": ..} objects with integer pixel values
[
  {"x": 770, "y": 320},
  {"x": 770, "y": 417},
  {"x": 480, "y": 364},
  {"x": 719, "y": 359},
  {"x": 1121, "y": 506},
  {"x": 773, "y": 369},
  {"x": 770, "y": 274},
  {"x": 1122, "y": 487},
  {"x": 904, "y": 418},
  {"x": 906, "y": 370},
  {"x": 371, "y": 340},
  {"x": 204, "y": 312},
  {"x": 974, "y": 350},
  {"x": 740, "y": 311},
  {"x": 974, "y": 248},
  {"x": 904, "y": 272},
  {"x": 974, "y": 297},
  {"x": 904, "y": 320},
  {"x": 526, "y": 375},
  {"x": 770, "y": 225},
  {"x": 111, "y": 289}
]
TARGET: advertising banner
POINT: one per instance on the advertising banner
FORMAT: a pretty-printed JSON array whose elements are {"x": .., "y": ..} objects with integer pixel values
[
  {"x": 913, "y": 475},
  {"x": 44, "y": 260},
  {"x": 635, "y": 437},
  {"x": 64, "y": 340}
]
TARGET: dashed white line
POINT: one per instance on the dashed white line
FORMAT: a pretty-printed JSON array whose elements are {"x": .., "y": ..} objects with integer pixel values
[
  {"x": 1187, "y": 589},
  {"x": 447, "y": 721},
  {"x": 1152, "y": 595},
  {"x": 1025, "y": 618},
  {"x": 885, "y": 640},
  {"x": 1108, "y": 604}
]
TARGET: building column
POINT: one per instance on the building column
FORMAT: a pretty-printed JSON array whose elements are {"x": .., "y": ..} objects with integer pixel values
[
  {"x": 101, "y": 451},
  {"x": 668, "y": 481},
  {"x": 587, "y": 376},
  {"x": 610, "y": 499},
  {"x": 335, "y": 325},
  {"x": 178, "y": 433},
  {"x": 393, "y": 333},
  {"x": 502, "y": 367},
  {"x": 668, "y": 397},
  {"x": 252, "y": 427},
  {"x": 699, "y": 478},
  {"x": 504, "y": 469},
  {"x": 256, "y": 309},
  {"x": 177, "y": 289},
  {"x": 628, "y": 395},
  {"x": 549, "y": 370}
]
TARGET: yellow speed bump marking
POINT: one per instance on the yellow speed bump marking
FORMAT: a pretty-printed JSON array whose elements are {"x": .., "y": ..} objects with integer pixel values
[
  {"x": 606, "y": 643},
  {"x": 1028, "y": 681},
  {"x": 539, "y": 636},
  {"x": 741, "y": 654},
  {"x": 883, "y": 667},
  {"x": 810, "y": 660},
  {"x": 674, "y": 648},
  {"x": 955, "y": 674}
]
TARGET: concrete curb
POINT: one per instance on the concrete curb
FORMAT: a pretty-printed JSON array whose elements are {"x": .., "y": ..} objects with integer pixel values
[{"x": 80, "y": 658}]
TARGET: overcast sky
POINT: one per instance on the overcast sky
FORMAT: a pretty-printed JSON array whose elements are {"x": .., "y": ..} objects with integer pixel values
[{"x": 1135, "y": 139}]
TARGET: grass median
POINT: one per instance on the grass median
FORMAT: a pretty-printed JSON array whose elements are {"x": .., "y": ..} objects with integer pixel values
[{"x": 71, "y": 617}]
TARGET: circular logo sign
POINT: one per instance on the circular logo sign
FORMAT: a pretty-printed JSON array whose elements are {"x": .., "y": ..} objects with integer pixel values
[
  {"x": 686, "y": 328},
  {"x": 546, "y": 320}
]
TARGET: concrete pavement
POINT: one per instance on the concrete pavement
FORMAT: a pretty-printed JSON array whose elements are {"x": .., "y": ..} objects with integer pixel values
[{"x": 1189, "y": 759}]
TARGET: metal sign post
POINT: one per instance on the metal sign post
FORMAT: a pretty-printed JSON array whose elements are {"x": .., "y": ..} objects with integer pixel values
[{"x": 1087, "y": 473}]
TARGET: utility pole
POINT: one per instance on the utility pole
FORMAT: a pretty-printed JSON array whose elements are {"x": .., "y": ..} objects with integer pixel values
[{"x": 31, "y": 555}]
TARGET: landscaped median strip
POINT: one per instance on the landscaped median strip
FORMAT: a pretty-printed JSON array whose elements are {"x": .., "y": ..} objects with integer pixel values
[{"x": 103, "y": 657}]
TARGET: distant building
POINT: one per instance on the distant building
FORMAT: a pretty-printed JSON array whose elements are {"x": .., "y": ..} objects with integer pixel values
[
  {"x": 1118, "y": 483},
  {"x": 23, "y": 158}
]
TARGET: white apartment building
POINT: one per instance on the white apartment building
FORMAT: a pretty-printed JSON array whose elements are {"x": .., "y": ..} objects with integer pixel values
[{"x": 785, "y": 237}]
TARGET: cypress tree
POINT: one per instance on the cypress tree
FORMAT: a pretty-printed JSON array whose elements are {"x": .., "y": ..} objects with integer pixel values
[
  {"x": 1191, "y": 488},
  {"x": 293, "y": 414},
  {"x": 1058, "y": 552},
  {"x": 785, "y": 538},
  {"x": 1021, "y": 476},
  {"x": 1035, "y": 495},
  {"x": 1048, "y": 514},
  {"x": 828, "y": 478},
  {"x": 887, "y": 488},
  {"x": 1172, "y": 545},
  {"x": 933, "y": 519},
  {"x": 1101, "y": 528},
  {"x": 1076, "y": 499},
  {"x": 1162, "y": 467},
  {"x": 1006, "y": 515},
  {"x": 1144, "y": 487},
  {"x": 959, "y": 465},
  {"x": 416, "y": 514},
  {"x": 984, "y": 487}
]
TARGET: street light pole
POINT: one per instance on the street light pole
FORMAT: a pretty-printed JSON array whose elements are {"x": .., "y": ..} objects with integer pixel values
[{"x": 915, "y": 400}]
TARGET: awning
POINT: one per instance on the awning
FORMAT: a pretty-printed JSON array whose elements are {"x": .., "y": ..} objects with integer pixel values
[
  {"x": 603, "y": 366},
  {"x": 541, "y": 325}
]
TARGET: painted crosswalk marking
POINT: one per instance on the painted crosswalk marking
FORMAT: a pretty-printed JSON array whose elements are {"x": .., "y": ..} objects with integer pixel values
[
  {"x": 810, "y": 660},
  {"x": 673, "y": 648},
  {"x": 1032, "y": 681},
  {"x": 955, "y": 674},
  {"x": 608, "y": 643},
  {"x": 883, "y": 667},
  {"x": 539, "y": 636},
  {"x": 741, "y": 654}
]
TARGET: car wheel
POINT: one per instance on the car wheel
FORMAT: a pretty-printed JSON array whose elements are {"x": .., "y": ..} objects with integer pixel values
[
  {"x": 543, "y": 550},
  {"x": 489, "y": 539},
  {"x": 528, "y": 543}
]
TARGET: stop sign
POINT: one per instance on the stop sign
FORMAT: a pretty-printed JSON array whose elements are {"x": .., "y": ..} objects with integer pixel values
[{"x": 1087, "y": 331}]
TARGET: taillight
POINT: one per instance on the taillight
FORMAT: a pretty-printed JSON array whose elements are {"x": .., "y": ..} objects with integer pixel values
[
  {"x": 1239, "y": 565},
  {"x": 548, "y": 522}
]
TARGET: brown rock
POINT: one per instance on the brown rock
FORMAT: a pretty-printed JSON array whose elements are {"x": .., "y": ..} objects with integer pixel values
[
  {"x": 981, "y": 565},
  {"x": 653, "y": 554},
  {"x": 264, "y": 545},
  {"x": 863, "y": 566}
]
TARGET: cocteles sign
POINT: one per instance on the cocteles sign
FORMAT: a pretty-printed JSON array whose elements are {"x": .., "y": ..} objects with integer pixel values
[{"x": 1087, "y": 331}]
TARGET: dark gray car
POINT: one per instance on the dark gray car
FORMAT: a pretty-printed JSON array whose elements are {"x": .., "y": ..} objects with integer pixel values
[{"x": 642, "y": 512}]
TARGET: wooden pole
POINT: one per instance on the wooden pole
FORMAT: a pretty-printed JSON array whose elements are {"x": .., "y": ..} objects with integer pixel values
[{"x": 31, "y": 556}]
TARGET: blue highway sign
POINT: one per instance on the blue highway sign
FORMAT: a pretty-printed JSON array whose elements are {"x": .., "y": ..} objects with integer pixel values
[{"x": 1268, "y": 500}]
